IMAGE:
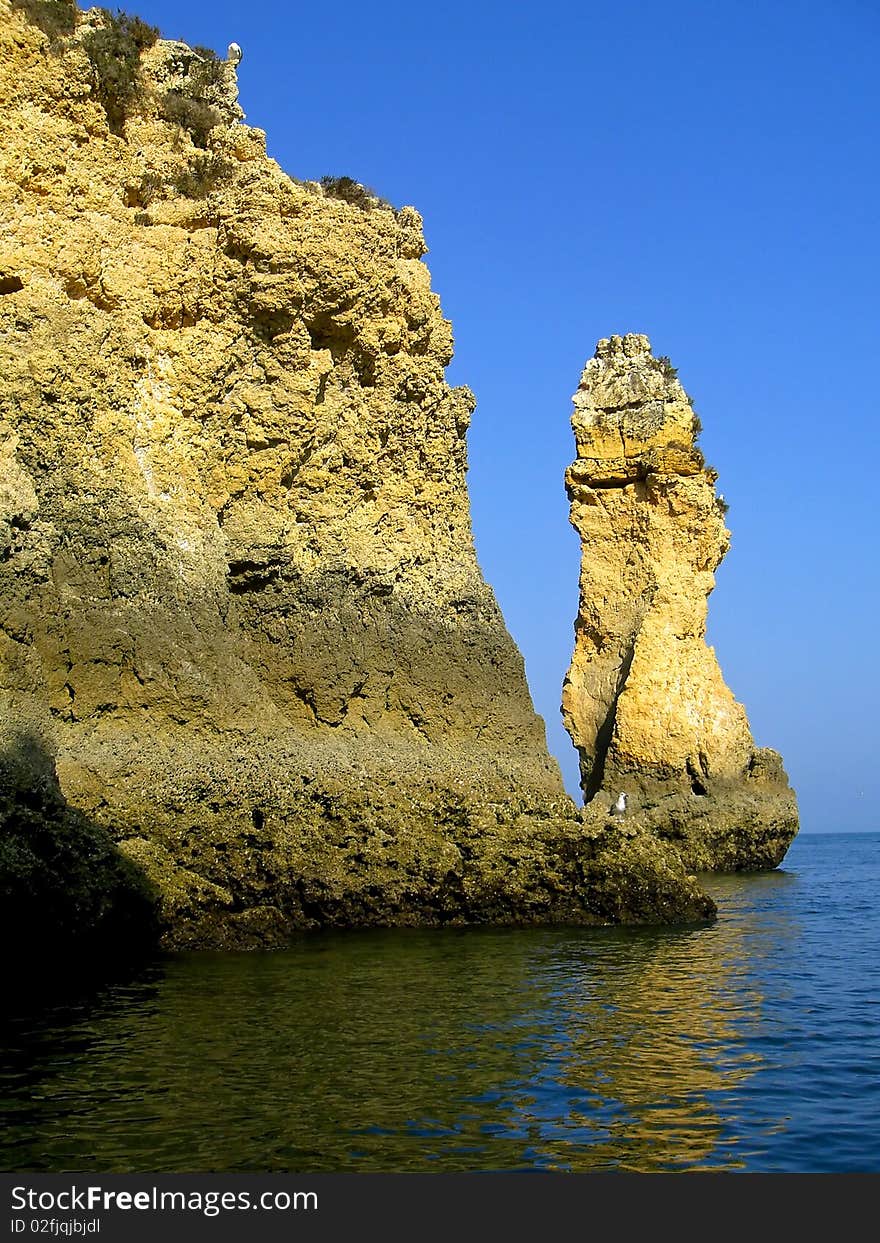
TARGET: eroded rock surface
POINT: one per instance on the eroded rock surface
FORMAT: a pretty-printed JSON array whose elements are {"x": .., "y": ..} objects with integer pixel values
[
  {"x": 238, "y": 591},
  {"x": 644, "y": 701}
]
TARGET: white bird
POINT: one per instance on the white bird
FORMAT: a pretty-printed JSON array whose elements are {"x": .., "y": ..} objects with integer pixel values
[
  {"x": 619, "y": 808},
  {"x": 234, "y": 53}
]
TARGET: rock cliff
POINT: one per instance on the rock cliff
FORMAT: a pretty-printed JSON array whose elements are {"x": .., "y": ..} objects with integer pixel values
[
  {"x": 239, "y": 598},
  {"x": 644, "y": 700}
]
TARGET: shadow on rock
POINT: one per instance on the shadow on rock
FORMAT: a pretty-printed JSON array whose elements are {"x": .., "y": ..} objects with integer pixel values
[{"x": 64, "y": 886}]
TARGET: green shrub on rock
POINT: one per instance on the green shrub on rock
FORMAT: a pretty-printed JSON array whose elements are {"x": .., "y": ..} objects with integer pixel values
[
  {"x": 56, "y": 18},
  {"x": 202, "y": 175},
  {"x": 115, "y": 55},
  {"x": 195, "y": 108},
  {"x": 351, "y": 191}
]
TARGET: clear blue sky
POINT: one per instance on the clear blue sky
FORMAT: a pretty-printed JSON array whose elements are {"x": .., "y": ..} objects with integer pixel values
[{"x": 705, "y": 173}]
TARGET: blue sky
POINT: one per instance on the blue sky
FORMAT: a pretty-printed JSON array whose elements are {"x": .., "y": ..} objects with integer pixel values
[{"x": 704, "y": 173}]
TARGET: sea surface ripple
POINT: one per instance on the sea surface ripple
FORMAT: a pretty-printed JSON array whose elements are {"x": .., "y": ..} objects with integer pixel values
[{"x": 752, "y": 1044}]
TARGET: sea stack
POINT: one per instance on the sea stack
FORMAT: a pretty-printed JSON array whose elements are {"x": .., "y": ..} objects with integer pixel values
[
  {"x": 241, "y": 615},
  {"x": 644, "y": 700}
]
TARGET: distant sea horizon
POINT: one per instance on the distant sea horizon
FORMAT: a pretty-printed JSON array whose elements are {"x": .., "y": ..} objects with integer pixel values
[{"x": 832, "y": 833}]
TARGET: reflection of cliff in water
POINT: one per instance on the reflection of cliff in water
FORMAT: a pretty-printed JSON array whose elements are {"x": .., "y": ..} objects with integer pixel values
[
  {"x": 469, "y": 1049},
  {"x": 652, "y": 1041}
]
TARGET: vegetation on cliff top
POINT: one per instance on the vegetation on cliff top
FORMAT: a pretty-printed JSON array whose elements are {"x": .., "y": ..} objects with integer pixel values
[
  {"x": 114, "y": 50},
  {"x": 351, "y": 191},
  {"x": 192, "y": 110},
  {"x": 55, "y": 18},
  {"x": 115, "y": 54}
]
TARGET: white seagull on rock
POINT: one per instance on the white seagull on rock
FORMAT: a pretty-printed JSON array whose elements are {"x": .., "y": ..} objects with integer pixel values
[
  {"x": 619, "y": 808},
  {"x": 234, "y": 53}
]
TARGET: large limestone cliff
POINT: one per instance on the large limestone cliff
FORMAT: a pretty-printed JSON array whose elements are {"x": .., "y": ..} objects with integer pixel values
[
  {"x": 644, "y": 701},
  {"x": 239, "y": 598}
]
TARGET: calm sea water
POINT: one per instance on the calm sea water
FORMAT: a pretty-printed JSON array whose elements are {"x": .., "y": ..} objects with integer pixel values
[{"x": 753, "y": 1044}]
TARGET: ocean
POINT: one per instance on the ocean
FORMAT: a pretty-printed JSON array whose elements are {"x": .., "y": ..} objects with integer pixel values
[{"x": 752, "y": 1044}]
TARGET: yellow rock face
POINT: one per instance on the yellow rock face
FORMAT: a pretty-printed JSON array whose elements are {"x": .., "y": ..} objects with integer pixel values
[
  {"x": 237, "y": 386},
  {"x": 644, "y": 700},
  {"x": 239, "y": 599}
]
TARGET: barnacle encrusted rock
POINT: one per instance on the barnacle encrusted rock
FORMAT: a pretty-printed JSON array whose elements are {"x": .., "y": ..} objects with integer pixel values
[
  {"x": 239, "y": 597},
  {"x": 644, "y": 700}
]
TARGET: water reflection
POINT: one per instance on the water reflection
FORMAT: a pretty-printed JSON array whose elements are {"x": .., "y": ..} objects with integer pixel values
[{"x": 468, "y": 1049}]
